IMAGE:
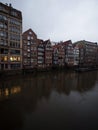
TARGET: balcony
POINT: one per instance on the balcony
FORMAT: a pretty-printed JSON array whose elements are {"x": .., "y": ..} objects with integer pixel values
[
  {"x": 40, "y": 49},
  {"x": 40, "y": 53}
]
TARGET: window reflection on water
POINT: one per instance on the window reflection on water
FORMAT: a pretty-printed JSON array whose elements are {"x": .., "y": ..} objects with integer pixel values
[
  {"x": 43, "y": 84},
  {"x": 50, "y": 98},
  {"x": 7, "y": 92}
]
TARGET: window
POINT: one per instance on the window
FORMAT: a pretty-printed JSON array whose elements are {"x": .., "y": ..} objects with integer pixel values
[
  {"x": 13, "y": 13},
  {"x": 15, "y": 58},
  {"x": 28, "y": 38},
  {"x": 15, "y": 66},
  {"x": 6, "y": 66},
  {"x": 14, "y": 21},
  {"x": 4, "y": 58},
  {"x": 30, "y": 32},
  {"x": 3, "y": 51},
  {"x": 2, "y": 17},
  {"x": 19, "y": 58},
  {"x": 28, "y": 43},
  {"x": 28, "y": 50},
  {"x": 15, "y": 52},
  {"x": 32, "y": 38}
]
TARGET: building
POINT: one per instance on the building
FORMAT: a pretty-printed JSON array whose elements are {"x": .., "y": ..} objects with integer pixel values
[
  {"x": 40, "y": 54},
  {"x": 55, "y": 56},
  {"x": 69, "y": 54},
  {"x": 76, "y": 55},
  {"x": 48, "y": 53},
  {"x": 87, "y": 53},
  {"x": 10, "y": 37},
  {"x": 61, "y": 54},
  {"x": 30, "y": 43}
]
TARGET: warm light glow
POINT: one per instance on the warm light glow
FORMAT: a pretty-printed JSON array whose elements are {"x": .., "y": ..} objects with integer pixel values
[
  {"x": 18, "y": 58},
  {"x": 15, "y": 58},
  {"x": 5, "y": 58},
  {"x": 15, "y": 90},
  {"x": 0, "y": 92},
  {"x": 11, "y": 58},
  {"x": 6, "y": 92}
]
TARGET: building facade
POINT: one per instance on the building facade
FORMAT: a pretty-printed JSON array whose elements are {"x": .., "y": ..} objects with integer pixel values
[
  {"x": 87, "y": 53},
  {"x": 48, "y": 53},
  {"x": 76, "y": 55},
  {"x": 10, "y": 37},
  {"x": 55, "y": 55},
  {"x": 69, "y": 54},
  {"x": 41, "y": 54},
  {"x": 30, "y": 43},
  {"x": 61, "y": 54}
]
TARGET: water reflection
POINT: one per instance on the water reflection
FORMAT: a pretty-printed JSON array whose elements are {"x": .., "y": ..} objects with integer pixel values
[{"x": 54, "y": 98}]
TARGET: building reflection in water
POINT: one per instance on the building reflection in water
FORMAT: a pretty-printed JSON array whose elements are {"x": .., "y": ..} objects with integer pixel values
[
  {"x": 26, "y": 94},
  {"x": 7, "y": 92}
]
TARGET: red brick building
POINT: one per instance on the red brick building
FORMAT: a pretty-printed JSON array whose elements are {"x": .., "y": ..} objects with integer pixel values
[
  {"x": 30, "y": 43},
  {"x": 41, "y": 54},
  {"x": 87, "y": 53},
  {"x": 59, "y": 54},
  {"x": 69, "y": 53},
  {"x": 48, "y": 53}
]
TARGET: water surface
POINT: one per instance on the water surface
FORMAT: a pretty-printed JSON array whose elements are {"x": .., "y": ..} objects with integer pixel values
[{"x": 55, "y": 100}]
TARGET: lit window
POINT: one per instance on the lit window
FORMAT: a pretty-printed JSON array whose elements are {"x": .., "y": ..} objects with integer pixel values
[
  {"x": 5, "y": 58},
  {"x": 14, "y": 58},
  {"x": 11, "y": 58},
  {"x": 18, "y": 58}
]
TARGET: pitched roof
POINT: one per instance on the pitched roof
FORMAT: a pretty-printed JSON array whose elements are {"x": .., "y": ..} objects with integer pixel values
[
  {"x": 67, "y": 42},
  {"x": 29, "y": 30}
]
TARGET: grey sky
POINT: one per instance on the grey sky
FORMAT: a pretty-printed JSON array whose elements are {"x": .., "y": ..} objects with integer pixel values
[{"x": 60, "y": 19}]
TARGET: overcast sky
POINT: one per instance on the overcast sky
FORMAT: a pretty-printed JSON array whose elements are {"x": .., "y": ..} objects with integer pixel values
[{"x": 60, "y": 20}]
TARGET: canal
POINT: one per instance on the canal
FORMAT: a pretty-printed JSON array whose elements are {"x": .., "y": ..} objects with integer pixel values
[{"x": 48, "y": 100}]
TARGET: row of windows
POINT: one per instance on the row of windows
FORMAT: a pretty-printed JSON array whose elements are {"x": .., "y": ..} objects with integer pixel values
[
  {"x": 14, "y": 44},
  {"x": 6, "y": 51},
  {"x": 3, "y": 26},
  {"x": 3, "y": 34},
  {"x": 28, "y": 48},
  {"x": 15, "y": 52},
  {"x": 14, "y": 13},
  {"x": 14, "y": 37},
  {"x": 3, "y": 42},
  {"x": 15, "y": 66},
  {"x": 2, "y": 17},
  {"x": 14, "y": 29},
  {"x": 3, "y": 9},
  {"x": 32, "y": 60},
  {"x": 14, "y": 21},
  {"x": 30, "y": 54},
  {"x": 12, "y": 66},
  {"x": 11, "y": 58}
]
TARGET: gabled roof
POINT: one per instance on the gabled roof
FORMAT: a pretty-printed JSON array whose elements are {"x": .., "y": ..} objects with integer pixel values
[
  {"x": 67, "y": 42},
  {"x": 29, "y": 30},
  {"x": 47, "y": 41},
  {"x": 40, "y": 42}
]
